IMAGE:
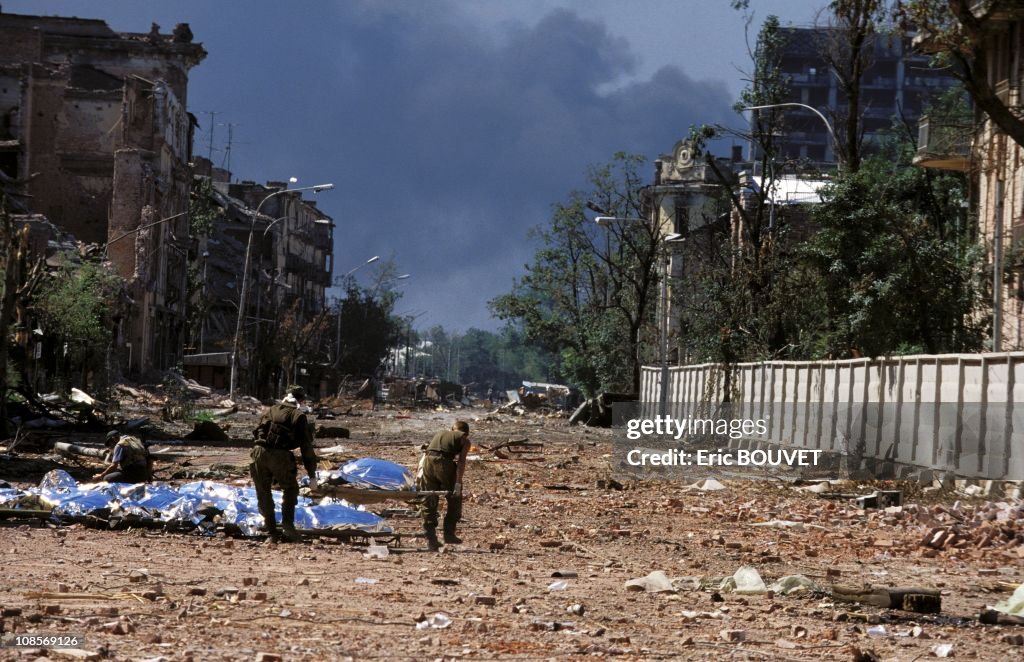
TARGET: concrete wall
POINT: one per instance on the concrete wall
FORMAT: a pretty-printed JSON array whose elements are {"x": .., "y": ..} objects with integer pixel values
[{"x": 955, "y": 413}]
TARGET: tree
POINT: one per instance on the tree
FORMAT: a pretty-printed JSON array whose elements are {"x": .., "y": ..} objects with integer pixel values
[
  {"x": 366, "y": 330},
  {"x": 960, "y": 34},
  {"x": 896, "y": 262},
  {"x": 77, "y": 305},
  {"x": 852, "y": 25},
  {"x": 590, "y": 290},
  {"x": 744, "y": 299}
]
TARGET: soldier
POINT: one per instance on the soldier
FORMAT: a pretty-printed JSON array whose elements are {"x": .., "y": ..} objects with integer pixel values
[
  {"x": 281, "y": 429},
  {"x": 130, "y": 461},
  {"x": 443, "y": 465}
]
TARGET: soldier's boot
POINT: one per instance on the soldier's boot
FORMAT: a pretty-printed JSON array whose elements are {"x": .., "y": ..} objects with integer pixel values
[
  {"x": 269, "y": 524},
  {"x": 288, "y": 531},
  {"x": 449, "y": 535},
  {"x": 432, "y": 543}
]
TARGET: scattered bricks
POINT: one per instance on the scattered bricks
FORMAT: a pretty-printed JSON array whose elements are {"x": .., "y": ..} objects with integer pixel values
[
  {"x": 249, "y": 581},
  {"x": 150, "y": 595},
  {"x": 259, "y": 596},
  {"x": 119, "y": 627},
  {"x": 268, "y": 657},
  {"x": 10, "y": 611},
  {"x": 62, "y": 587},
  {"x": 197, "y": 590},
  {"x": 550, "y": 543},
  {"x": 936, "y": 538},
  {"x": 108, "y": 611},
  {"x": 833, "y": 572},
  {"x": 884, "y": 542},
  {"x": 51, "y": 609},
  {"x": 733, "y": 635},
  {"x": 988, "y": 572},
  {"x": 136, "y": 577},
  {"x": 1013, "y": 639},
  {"x": 497, "y": 546},
  {"x": 622, "y": 639},
  {"x": 488, "y": 600},
  {"x": 733, "y": 545}
]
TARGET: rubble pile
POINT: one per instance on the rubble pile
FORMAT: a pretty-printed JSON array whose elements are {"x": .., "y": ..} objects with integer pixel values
[{"x": 986, "y": 525}]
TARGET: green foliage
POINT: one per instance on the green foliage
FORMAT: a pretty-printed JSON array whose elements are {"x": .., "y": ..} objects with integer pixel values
[
  {"x": 367, "y": 330},
  {"x": 897, "y": 266},
  {"x": 75, "y": 304},
  {"x": 589, "y": 290},
  {"x": 203, "y": 416},
  {"x": 202, "y": 210},
  {"x": 767, "y": 85}
]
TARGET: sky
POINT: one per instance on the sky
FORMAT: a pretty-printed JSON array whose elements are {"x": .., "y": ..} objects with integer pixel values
[{"x": 449, "y": 127}]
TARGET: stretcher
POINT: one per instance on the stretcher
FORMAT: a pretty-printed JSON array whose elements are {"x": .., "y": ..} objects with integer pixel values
[{"x": 364, "y": 495}]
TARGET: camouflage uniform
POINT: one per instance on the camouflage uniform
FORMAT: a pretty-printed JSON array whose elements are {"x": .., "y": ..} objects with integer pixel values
[
  {"x": 281, "y": 429},
  {"x": 439, "y": 473}
]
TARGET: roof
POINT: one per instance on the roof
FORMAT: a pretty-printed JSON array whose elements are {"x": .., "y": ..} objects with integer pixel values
[{"x": 792, "y": 190}]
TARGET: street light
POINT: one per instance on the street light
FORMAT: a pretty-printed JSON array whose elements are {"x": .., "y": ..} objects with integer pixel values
[
  {"x": 358, "y": 267},
  {"x": 245, "y": 274},
  {"x": 338, "y": 282},
  {"x": 666, "y": 240},
  {"x": 317, "y": 221},
  {"x": 814, "y": 110},
  {"x": 386, "y": 281}
]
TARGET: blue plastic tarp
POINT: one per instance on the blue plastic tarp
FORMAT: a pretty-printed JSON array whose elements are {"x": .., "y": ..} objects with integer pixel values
[{"x": 190, "y": 503}]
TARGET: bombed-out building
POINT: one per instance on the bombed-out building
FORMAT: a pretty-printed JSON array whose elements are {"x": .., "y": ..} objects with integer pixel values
[
  {"x": 95, "y": 136},
  {"x": 290, "y": 265}
]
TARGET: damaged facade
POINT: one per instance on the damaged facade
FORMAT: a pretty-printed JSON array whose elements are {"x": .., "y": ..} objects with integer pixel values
[
  {"x": 995, "y": 164},
  {"x": 897, "y": 82},
  {"x": 692, "y": 203},
  {"x": 95, "y": 122},
  {"x": 289, "y": 271}
]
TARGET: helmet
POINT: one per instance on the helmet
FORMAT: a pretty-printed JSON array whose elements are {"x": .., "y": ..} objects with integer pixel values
[{"x": 297, "y": 392}]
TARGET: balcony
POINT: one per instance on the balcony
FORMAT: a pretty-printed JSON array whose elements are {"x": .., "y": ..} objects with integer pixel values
[{"x": 944, "y": 143}]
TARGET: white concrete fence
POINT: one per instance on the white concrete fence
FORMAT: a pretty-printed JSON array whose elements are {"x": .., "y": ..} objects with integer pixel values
[{"x": 957, "y": 414}]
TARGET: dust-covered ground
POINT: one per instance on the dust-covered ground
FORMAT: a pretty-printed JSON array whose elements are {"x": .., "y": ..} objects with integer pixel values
[{"x": 550, "y": 540}]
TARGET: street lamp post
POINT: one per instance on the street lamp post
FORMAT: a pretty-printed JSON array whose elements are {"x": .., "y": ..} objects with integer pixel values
[
  {"x": 245, "y": 275},
  {"x": 666, "y": 241},
  {"x": 388, "y": 281},
  {"x": 828, "y": 126},
  {"x": 338, "y": 282}
]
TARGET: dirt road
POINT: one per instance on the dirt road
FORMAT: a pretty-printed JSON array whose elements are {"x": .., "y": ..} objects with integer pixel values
[{"x": 549, "y": 543}]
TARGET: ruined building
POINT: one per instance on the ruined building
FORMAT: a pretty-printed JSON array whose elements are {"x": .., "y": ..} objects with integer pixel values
[
  {"x": 96, "y": 121},
  {"x": 289, "y": 271},
  {"x": 897, "y": 83},
  {"x": 995, "y": 164}
]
